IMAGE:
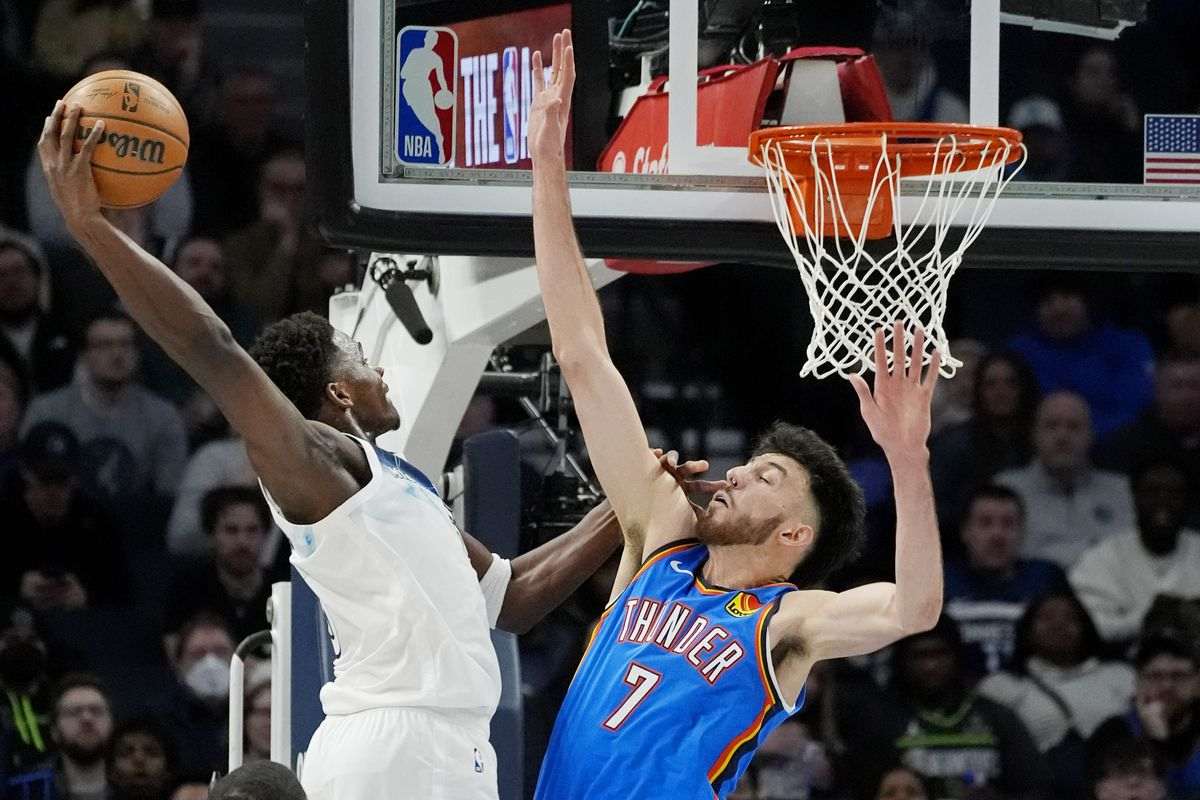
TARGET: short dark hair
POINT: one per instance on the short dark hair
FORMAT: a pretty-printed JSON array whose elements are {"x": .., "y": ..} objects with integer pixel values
[
  {"x": 1092, "y": 645},
  {"x": 77, "y": 680},
  {"x": 201, "y": 619},
  {"x": 147, "y": 726},
  {"x": 262, "y": 780},
  {"x": 994, "y": 491},
  {"x": 222, "y": 497},
  {"x": 1164, "y": 644},
  {"x": 840, "y": 534},
  {"x": 1028, "y": 390},
  {"x": 109, "y": 315},
  {"x": 298, "y": 354}
]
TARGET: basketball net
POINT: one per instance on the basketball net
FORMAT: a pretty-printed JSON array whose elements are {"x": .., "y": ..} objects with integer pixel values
[{"x": 852, "y": 289}]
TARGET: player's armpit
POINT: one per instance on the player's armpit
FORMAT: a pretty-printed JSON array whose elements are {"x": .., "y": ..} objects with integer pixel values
[{"x": 823, "y": 625}]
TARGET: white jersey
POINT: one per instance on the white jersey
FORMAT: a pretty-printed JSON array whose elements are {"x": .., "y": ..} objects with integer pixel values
[{"x": 403, "y": 602}]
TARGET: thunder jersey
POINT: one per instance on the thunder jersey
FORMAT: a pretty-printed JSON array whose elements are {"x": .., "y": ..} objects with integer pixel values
[
  {"x": 408, "y": 620},
  {"x": 675, "y": 690}
]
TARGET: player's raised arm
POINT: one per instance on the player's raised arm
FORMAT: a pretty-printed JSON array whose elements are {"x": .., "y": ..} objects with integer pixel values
[
  {"x": 286, "y": 450},
  {"x": 867, "y": 618},
  {"x": 649, "y": 505}
]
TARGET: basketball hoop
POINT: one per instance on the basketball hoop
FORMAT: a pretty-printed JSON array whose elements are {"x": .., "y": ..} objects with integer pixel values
[{"x": 837, "y": 187}]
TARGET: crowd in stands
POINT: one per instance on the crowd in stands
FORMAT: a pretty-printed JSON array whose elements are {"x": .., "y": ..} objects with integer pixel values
[{"x": 138, "y": 550}]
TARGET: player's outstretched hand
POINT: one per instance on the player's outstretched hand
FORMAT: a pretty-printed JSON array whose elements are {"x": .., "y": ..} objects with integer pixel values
[
  {"x": 897, "y": 411},
  {"x": 551, "y": 108},
  {"x": 685, "y": 473},
  {"x": 69, "y": 174}
]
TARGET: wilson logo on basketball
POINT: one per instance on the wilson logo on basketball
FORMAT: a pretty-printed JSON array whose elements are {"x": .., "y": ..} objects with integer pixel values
[
  {"x": 129, "y": 100},
  {"x": 743, "y": 605},
  {"x": 150, "y": 151}
]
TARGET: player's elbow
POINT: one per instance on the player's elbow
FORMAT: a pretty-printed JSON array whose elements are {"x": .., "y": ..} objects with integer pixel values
[
  {"x": 578, "y": 355},
  {"x": 923, "y": 616}
]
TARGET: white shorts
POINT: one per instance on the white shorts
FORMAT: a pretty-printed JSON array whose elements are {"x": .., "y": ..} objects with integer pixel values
[{"x": 400, "y": 753}]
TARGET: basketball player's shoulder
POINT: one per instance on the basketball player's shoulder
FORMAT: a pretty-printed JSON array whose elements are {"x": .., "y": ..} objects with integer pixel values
[{"x": 327, "y": 443}]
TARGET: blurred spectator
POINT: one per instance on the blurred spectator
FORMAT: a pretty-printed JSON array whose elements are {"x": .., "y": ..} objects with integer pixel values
[
  {"x": 134, "y": 441},
  {"x": 901, "y": 783},
  {"x": 197, "y": 715},
  {"x": 997, "y": 437},
  {"x": 1165, "y": 713},
  {"x": 174, "y": 55},
  {"x": 1040, "y": 121},
  {"x": 219, "y": 463},
  {"x": 1183, "y": 326},
  {"x": 1129, "y": 771},
  {"x": 966, "y": 745},
  {"x": 24, "y": 682},
  {"x": 274, "y": 263},
  {"x": 143, "y": 761},
  {"x": 14, "y": 398},
  {"x": 231, "y": 583},
  {"x": 1119, "y": 578},
  {"x": 1110, "y": 367},
  {"x": 1103, "y": 121},
  {"x": 952, "y": 397},
  {"x": 262, "y": 781},
  {"x": 257, "y": 722},
  {"x": 790, "y": 764},
  {"x": 38, "y": 337},
  {"x": 194, "y": 790},
  {"x": 1171, "y": 427},
  {"x": 228, "y": 154},
  {"x": 1059, "y": 686},
  {"x": 82, "y": 732},
  {"x": 988, "y": 591},
  {"x": 1070, "y": 506},
  {"x": 910, "y": 75},
  {"x": 63, "y": 549},
  {"x": 70, "y": 32}
]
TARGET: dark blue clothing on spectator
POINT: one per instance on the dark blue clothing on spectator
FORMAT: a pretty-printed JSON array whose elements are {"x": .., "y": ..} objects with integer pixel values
[
  {"x": 1110, "y": 367},
  {"x": 987, "y": 606}
]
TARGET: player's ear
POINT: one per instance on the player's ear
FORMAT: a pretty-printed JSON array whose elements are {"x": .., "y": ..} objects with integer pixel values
[
  {"x": 339, "y": 394},
  {"x": 796, "y": 535}
]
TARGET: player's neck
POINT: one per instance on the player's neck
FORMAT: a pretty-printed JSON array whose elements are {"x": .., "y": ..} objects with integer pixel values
[
  {"x": 345, "y": 421},
  {"x": 740, "y": 566}
]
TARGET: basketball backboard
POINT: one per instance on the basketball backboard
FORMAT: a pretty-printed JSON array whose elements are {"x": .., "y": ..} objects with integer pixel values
[{"x": 417, "y": 110}]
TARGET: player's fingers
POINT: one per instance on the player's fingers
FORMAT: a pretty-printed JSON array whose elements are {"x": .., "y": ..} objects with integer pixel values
[
  {"x": 918, "y": 355},
  {"x": 539, "y": 76},
  {"x": 89, "y": 146},
  {"x": 698, "y": 467},
  {"x": 555, "y": 58},
  {"x": 66, "y": 134},
  {"x": 898, "y": 349},
  {"x": 881, "y": 369},
  {"x": 705, "y": 487},
  {"x": 861, "y": 389},
  {"x": 935, "y": 366},
  {"x": 50, "y": 128},
  {"x": 568, "y": 71}
]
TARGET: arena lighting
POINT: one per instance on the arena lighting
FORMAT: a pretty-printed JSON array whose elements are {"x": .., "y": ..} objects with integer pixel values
[{"x": 1101, "y": 19}]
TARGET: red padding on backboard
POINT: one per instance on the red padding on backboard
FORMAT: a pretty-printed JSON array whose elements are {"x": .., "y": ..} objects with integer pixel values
[
  {"x": 864, "y": 97},
  {"x": 729, "y": 106},
  {"x": 642, "y": 266}
]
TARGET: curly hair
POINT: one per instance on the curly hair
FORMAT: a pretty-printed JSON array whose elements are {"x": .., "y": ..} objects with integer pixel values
[
  {"x": 298, "y": 354},
  {"x": 839, "y": 536}
]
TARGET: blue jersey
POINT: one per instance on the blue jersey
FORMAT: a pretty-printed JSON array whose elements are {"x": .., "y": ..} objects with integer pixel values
[{"x": 675, "y": 690}]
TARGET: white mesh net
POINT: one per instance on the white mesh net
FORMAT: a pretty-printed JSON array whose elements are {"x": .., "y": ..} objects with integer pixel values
[{"x": 854, "y": 288}]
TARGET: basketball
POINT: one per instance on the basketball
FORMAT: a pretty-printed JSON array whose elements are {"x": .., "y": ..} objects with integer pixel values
[
  {"x": 145, "y": 142},
  {"x": 443, "y": 99}
]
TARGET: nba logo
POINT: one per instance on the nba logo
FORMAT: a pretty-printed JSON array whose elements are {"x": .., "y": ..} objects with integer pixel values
[{"x": 426, "y": 95}]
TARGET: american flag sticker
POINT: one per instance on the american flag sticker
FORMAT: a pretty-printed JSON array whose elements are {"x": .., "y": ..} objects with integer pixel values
[{"x": 1172, "y": 149}]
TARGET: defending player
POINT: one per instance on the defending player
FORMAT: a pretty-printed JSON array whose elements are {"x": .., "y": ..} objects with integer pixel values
[
  {"x": 705, "y": 648},
  {"x": 408, "y": 596}
]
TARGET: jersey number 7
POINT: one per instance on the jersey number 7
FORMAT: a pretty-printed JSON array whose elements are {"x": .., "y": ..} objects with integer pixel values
[{"x": 643, "y": 680}]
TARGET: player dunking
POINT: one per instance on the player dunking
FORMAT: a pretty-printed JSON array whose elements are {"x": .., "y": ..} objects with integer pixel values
[
  {"x": 409, "y": 597},
  {"x": 705, "y": 647}
]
